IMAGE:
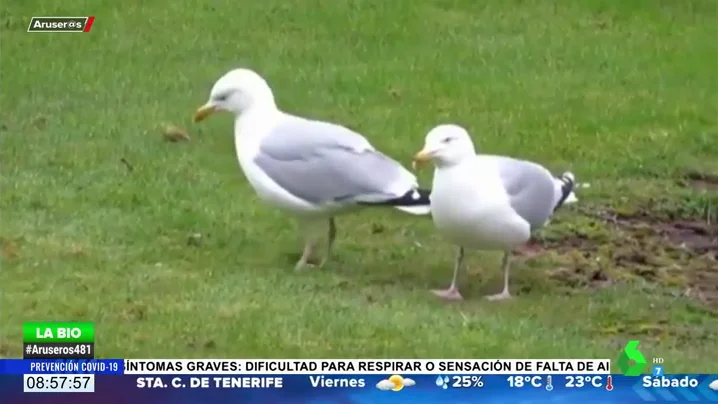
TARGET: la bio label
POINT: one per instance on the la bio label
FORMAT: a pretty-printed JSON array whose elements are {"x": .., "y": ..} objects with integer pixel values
[{"x": 60, "y": 333}]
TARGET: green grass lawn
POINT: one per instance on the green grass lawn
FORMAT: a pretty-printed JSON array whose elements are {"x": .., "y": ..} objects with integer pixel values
[{"x": 98, "y": 208}]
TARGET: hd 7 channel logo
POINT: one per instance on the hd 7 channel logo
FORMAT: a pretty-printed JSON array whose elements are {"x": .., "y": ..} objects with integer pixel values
[{"x": 633, "y": 363}]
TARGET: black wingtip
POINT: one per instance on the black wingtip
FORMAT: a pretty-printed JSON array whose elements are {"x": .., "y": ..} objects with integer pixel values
[
  {"x": 414, "y": 197},
  {"x": 569, "y": 182},
  {"x": 420, "y": 197}
]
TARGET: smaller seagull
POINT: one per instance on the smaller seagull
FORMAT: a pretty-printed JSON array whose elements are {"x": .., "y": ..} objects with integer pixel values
[
  {"x": 311, "y": 169},
  {"x": 487, "y": 202}
]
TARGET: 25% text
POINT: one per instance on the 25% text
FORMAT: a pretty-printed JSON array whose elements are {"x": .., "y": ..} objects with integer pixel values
[{"x": 464, "y": 382}]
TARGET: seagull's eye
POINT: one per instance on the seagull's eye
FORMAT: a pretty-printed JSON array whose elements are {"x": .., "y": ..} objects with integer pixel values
[
  {"x": 447, "y": 140},
  {"x": 221, "y": 97}
]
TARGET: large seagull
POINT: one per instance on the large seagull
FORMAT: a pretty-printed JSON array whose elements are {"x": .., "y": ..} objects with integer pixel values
[{"x": 311, "y": 169}]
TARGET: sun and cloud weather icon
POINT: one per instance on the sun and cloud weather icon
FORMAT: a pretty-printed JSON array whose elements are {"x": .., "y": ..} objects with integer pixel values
[
  {"x": 714, "y": 385},
  {"x": 395, "y": 383}
]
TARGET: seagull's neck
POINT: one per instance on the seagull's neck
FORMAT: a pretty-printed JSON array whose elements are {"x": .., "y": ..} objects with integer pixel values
[
  {"x": 258, "y": 110},
  {"x": 449, "y": 164},
  {"x": 250, "y": 126}
]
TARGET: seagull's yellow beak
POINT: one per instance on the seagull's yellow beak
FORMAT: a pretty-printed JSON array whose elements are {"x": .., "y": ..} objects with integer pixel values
[
  {"x": 203, "y": 112},
  {"x": 420, "y": 159}
]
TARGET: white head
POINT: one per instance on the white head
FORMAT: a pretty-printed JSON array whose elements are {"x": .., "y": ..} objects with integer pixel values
[
  {"x": 445, "y": 145},
  {"x": 237, "y": 92}
]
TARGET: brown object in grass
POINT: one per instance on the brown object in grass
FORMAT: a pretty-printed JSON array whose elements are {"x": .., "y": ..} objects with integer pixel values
[{"x": 173, "y": 133}]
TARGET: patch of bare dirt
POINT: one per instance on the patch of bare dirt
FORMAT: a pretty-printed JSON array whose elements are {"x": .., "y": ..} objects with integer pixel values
[
  {"x": 677, "y": 253},
  {"x": 697, "y": 238}
]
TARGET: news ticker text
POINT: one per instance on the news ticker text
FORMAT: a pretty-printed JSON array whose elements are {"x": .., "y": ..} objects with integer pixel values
[
  {"x": 368, "y": 366},
  {"x": 313, "y": 366}
]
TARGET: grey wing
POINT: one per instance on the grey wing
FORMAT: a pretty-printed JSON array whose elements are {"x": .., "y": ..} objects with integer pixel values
[
  {"x": 530, "y": 187},
  {"x": 321, "y": 162},
  {"x": 295, "y": 137}
]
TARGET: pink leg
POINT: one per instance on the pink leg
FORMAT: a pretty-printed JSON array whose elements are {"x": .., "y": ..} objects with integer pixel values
[
  {"x": 307, "y": 260},
  {"x": 504, "y": 295},
  {"x": 452, "y": 293}
]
